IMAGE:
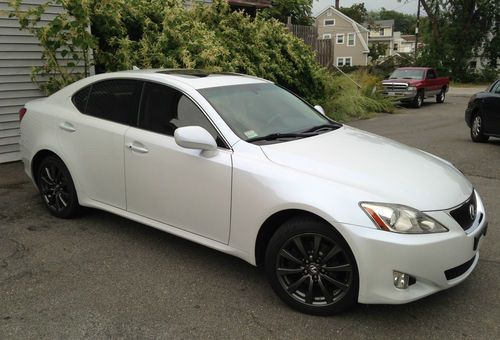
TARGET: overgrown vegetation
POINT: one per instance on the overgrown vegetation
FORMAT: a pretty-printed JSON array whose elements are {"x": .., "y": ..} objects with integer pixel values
[
  {"x": 164, "y": 34},
  {"x": 345, "y": 101}
]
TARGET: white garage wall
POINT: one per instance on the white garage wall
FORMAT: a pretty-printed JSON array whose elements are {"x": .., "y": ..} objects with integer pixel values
[{"x": 19, "y": 51}]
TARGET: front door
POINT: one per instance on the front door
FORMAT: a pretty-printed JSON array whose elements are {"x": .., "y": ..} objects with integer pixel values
[{"x": 170, "y": 184}]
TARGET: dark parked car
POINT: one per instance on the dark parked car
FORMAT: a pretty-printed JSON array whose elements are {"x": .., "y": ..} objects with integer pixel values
[{"x": 483, "y": 114}]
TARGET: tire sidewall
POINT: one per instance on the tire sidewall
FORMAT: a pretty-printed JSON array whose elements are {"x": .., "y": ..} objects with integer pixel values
[
  {"x": 73, "y": 205},
  {"x": 480, "y": 138},
  {"x": 300, "y": 226}
]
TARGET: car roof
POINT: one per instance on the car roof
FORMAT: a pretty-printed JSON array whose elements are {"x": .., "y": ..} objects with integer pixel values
[
  {"x": 414, "y": 68},
  {"x": 197, "y": 79}
]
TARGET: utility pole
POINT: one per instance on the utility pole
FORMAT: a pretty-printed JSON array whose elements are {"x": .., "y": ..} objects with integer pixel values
[{"x": 416, "y": 29}]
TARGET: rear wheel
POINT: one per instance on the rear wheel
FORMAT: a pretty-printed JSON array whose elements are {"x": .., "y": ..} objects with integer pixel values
[
  {"x": 57, "y": 188},
  {"x": 477, "y": 129},
  {"x": 418, "y": 101},
  {"x": 311, "y": 267},
  {"x": 441, "y": 96}
]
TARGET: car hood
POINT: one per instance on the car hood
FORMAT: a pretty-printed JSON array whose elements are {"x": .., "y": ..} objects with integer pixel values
[
  {"x": 392, "y": 171},
  {"x": 403, "y": 81}
]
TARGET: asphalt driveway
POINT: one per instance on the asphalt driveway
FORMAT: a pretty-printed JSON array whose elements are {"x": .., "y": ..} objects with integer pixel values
[{"x": 103, "y": 276}]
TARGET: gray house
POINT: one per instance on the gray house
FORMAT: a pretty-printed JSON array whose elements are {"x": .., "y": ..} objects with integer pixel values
[{"x": 19, "y": 52}]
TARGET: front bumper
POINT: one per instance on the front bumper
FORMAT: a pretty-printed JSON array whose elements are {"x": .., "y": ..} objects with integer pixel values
[
  {"x": 436, "y": 261},
  {"x": 400, "y": 95}
]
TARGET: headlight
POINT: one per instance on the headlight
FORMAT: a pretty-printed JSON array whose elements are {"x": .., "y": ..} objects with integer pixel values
[
  {"x": 412, "y": 88},
  {"x": 401, "y": 219}
]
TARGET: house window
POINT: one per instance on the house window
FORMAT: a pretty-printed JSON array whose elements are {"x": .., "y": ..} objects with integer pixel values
[
  {"x": 329, "y": 22},
  {"x": 348, "y": 61},
  {"x": 395, "y": 47},
  {"x": 340, "y": 61},
  {"x": 381, "y": 32},
  {"x": 340, "y": 38},
  {"x": 327, "y": 36},
  {"x": 351, "y": 39}
]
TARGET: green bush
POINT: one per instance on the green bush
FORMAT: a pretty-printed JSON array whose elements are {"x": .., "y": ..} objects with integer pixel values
[{"x": 164, "y": 34}]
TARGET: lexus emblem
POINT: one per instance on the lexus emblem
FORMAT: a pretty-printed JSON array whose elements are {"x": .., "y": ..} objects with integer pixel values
[{"x": 472, "y": 212}]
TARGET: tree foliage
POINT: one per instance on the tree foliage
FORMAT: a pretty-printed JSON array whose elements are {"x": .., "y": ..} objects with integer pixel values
[
  {"x": 298, "y": 10},
  {"x": 356, "y": 12},
  {"x": 404, "y": 23},
  {"x": 458, "y": 31}
]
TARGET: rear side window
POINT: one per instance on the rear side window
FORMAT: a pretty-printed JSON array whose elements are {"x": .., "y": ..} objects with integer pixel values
[
  {"x": 80, "y": 99},
  {"x": 431, "y": 74},
  {"x": 165, "y": 109},
  {"x": 116, "y": 100}
]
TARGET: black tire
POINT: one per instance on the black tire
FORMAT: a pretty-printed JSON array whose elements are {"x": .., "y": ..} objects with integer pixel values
[
  {"x": 418, "y": 101},
  {"x": 441, "y": 96},
  {"x": 322, "y": 277},
  {"x": 477, "y": 129},
  {"x": 57, "y": 188}
]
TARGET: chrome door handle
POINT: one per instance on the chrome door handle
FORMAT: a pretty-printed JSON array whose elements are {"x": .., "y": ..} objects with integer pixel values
[
  {"x": 67, "y": 127},
  {"x": 137, "y": 147}
]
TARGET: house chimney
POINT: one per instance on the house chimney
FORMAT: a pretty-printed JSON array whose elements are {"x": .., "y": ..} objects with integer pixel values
[{"x": 337, "y": 4}]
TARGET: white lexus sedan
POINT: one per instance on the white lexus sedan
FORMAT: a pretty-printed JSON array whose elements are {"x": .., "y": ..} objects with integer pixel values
[{"x": 236, "y": 163}]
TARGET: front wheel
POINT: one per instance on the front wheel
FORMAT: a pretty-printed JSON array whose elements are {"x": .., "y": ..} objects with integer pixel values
[
  {"x": 477, "y": 130},
  {"x": 311, "y": 267},
  {"x": 418, "y": 101},
  {"x": 57, "y": 188}
]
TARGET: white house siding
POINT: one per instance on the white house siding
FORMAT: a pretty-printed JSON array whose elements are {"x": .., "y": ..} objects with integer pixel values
[{"x": 19, "y": 51}]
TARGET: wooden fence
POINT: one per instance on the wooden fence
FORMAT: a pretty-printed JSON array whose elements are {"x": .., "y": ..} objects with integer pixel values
[{"x": 322, "y": 47}]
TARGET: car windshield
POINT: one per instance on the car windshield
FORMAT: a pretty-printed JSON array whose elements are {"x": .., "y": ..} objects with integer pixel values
[
  {"x": 407, "y": 74},
  {"x": 254, "y": 111}
]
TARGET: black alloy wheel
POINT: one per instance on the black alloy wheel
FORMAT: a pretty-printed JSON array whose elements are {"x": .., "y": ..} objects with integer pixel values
[
  {"x": 311, "y": 268},
  {"x": 57, "y": 188}
]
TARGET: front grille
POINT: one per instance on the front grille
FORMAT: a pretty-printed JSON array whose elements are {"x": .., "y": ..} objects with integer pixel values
[
  {"x": 459, "y": 270},
  {"x": 395, "y": 87},
  {"x": 465, "y": 215}
]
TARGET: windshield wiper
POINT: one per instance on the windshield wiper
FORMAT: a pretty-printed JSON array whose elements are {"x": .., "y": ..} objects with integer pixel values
[
  {"x": 323, "y": 127},
  {"x": 275, "y": 136}
]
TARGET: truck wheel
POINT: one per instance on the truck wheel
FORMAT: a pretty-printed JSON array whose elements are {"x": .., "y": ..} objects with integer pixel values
[
  {"x": 418, "y": 100},
  {"x": 440, "y": 97}
]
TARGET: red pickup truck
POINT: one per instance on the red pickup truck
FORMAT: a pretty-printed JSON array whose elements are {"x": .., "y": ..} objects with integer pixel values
[{"x": 414, "y": 84}]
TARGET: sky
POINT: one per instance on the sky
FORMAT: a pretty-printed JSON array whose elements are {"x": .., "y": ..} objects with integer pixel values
[{"x": 410, "y": 7}]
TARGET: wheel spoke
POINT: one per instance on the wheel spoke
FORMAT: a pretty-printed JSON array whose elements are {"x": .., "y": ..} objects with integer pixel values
[
  {"x": 300, "y": 246},
  {"x": 336, "y": 283},
  {"x": 317, "y": 242},
  {"x": 48, "y": 182},
  {"x": 340, "y": 268},
  {"x": 334, "y": 251},
  {"x": 47, "y": 171},
  {"x": 325, "y": 291},
  {"x": 309, "y": 294},
  {"x": 293, "y": 287},
  {"x": 59, "y": 196},
  {"x": 289, "y": 271},
  {"x": 290, "y": 257}
]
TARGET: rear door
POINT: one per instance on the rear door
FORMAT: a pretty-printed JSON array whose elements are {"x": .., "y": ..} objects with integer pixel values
[{"x": 92, "y": 142}]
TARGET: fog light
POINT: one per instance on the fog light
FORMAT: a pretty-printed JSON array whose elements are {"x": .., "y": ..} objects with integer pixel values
[{"x": 401, "y": 280}]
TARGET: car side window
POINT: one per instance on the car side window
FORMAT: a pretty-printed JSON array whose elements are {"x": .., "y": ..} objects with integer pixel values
[
  {"x": 164, "y": 109},
  {"x": 431, "y": 74},
  {"x": 496, "y": 88},
  {"x": 116, "y": 100},
  {"x": 80, "y": 98}
]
